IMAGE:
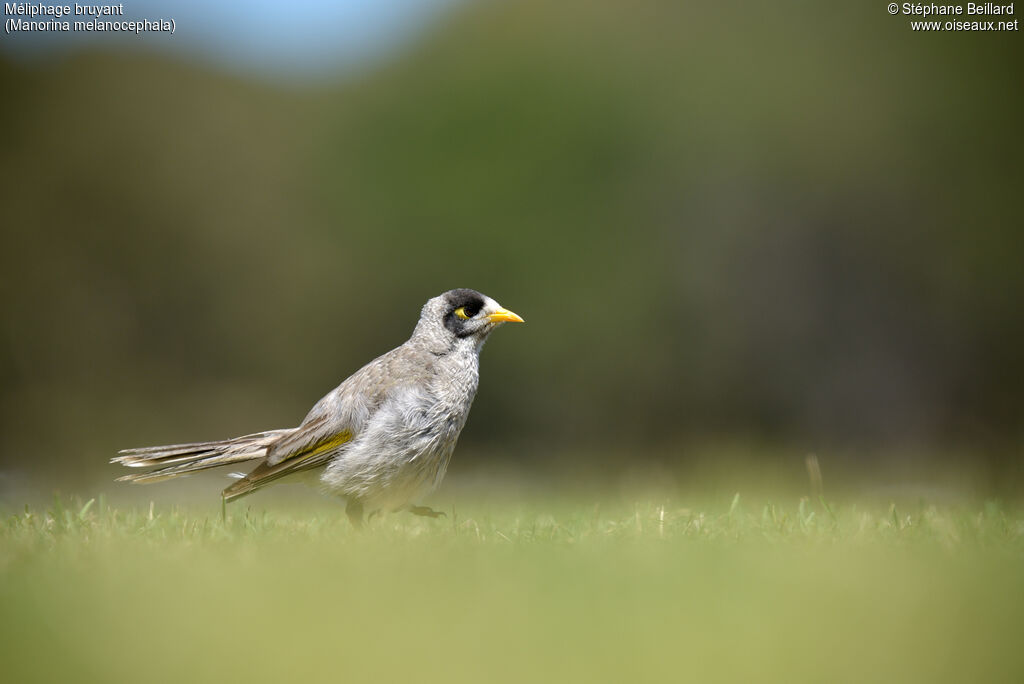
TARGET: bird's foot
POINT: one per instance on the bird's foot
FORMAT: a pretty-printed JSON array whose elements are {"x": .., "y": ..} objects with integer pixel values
[{"x": 427, "y": 511}]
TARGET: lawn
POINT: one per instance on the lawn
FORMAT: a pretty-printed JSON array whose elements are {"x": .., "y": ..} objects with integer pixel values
[{"x": 552, "y": 591}]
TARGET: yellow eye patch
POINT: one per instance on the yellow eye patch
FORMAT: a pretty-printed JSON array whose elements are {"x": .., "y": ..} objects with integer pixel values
[{"x": 461, "y": 313}]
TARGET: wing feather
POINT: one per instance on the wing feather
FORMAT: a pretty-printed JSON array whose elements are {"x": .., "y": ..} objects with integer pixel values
[
  {"x": 312, "y": 454},
  {"x": 334, "y": 421}
]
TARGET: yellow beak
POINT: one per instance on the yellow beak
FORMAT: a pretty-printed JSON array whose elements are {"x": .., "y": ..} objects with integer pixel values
[{"x": 504, "y": 316}]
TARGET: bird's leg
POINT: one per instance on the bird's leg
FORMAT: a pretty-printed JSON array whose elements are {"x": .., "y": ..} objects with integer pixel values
[
  {"x": 354, "y": 511},
  {"x": 426, "y": 511}
]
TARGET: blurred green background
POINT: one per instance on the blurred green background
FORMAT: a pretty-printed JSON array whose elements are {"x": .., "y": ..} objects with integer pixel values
[{"x": 737, "y": 233}]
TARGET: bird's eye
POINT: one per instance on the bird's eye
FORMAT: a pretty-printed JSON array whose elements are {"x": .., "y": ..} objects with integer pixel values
[{"x": 461, "y": 313}]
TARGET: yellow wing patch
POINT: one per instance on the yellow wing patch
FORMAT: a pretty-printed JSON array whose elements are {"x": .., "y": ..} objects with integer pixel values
[
  {"x": 264, "y": 474},
  {"x": 326, "y": 445}
]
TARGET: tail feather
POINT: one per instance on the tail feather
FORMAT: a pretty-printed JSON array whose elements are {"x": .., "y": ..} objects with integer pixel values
[
  {"x": 260, "y": 477},
  {"x": 177, "y": 459}
]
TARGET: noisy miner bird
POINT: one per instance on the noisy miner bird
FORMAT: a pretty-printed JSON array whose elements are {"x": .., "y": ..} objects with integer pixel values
[{"x": 383, "y": 437}]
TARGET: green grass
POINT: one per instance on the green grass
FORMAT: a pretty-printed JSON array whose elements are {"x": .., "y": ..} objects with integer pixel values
[{"x": 509, "y": 592}]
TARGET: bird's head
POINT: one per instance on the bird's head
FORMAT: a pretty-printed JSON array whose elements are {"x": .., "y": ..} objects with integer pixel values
[{"x": 462, "y": 315}]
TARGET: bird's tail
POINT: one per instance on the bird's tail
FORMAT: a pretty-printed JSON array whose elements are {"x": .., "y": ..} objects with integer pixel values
[{"x": 177, "y": 459}]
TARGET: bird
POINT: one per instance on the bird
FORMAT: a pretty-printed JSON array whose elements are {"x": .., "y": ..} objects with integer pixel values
[{"x": 382, "y": 439}]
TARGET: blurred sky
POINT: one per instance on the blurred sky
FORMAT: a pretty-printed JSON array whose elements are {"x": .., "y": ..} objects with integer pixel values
[{"x": 303, "y": 39}]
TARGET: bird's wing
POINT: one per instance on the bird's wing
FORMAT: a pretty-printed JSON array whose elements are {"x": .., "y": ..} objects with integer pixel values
[
  {"x": 334, "y": 421},
  {"x": 317, "y": 435},
  {"x": 312, "y": 445}
]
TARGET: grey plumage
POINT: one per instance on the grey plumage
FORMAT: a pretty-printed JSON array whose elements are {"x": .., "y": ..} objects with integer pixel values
[{"x": 383, "y": 438}]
